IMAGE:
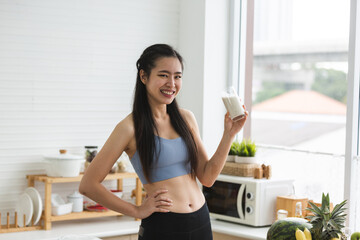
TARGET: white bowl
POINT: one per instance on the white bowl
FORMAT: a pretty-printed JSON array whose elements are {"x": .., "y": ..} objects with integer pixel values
[
  {"x": 63, "y": 165},
  {"x": 61, "y": 209}
]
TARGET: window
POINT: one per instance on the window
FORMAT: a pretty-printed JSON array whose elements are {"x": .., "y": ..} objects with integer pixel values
[
  {"x": 297, "y": 92},
  {"x": 299, "y": 74}
]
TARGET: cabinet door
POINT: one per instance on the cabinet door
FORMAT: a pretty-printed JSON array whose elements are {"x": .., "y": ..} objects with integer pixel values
[
  {"x": 125, "y": 237},
  {"x": 220, "y": 236}
]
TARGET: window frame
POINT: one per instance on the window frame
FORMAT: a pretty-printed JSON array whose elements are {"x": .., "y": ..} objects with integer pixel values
[
  {"x": 352, "y": 116},
  {"x": 241, "y": 51}
]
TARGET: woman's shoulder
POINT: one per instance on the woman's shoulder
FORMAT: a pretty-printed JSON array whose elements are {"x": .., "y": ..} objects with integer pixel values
[
  {"x": 128, "y": 119},
  {"x": 188, "y": 115},
  {"x": 126, "y": 126},
  {"x": 185, "y": 112}
]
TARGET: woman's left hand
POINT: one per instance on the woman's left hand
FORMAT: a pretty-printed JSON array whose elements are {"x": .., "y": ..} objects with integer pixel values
[{"x": 231, "y": 127}]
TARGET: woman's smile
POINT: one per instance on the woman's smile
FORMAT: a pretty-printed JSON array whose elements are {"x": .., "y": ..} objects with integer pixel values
[{"x": 168, "y": 93}]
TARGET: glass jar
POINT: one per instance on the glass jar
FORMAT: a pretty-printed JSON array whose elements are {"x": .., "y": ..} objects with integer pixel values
[
  {"x": 90, "y": 153},
  {"x": 282, "y": 214},
  {"x": 298, "y": 210}
]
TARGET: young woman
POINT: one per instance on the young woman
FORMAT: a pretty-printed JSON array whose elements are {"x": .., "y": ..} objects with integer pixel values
[{"x": 167, "y": 153}]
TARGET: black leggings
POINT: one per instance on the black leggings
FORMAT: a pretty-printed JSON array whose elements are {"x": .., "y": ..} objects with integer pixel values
[{"x": 177, "y": 226}]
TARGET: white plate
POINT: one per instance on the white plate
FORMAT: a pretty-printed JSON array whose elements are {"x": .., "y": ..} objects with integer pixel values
[
  {"x": 37, "y": 202},
  {"x": 24, "y": 205}
]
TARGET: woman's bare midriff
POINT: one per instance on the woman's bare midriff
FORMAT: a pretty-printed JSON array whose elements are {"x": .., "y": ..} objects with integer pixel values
[{"x": 183, "y": 191}]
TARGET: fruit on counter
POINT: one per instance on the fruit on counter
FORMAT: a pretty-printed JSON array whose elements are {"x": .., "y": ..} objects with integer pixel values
[
  {"x": 303, "y": 235},
  {"x": 307, "y": 234},
  {"x": 300, "y": 235},
  {"x": 355, "y": 236},
  {"x": 327, "y": 224},
  {"x": 286, "y": 228}
]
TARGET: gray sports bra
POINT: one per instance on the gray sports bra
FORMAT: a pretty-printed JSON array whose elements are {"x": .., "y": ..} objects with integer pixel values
[{"x": 172, "y": 160}]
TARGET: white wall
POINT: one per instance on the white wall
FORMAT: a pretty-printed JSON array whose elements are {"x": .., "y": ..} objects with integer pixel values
[
  {"x": 204, "y": 42},
  {"x": 67, "y": 72},
  {"x": 191, "y": 47},
  {"x": 216, "y": 71}
]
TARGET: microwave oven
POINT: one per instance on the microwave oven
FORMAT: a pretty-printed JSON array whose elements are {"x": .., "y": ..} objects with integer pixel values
[{"x": 246, "y": 200}]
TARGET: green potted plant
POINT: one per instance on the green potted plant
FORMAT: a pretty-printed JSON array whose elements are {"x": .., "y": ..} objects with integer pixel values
[
  {"x": 233, "y": 151},
  {"x": 246, "y": 152}
]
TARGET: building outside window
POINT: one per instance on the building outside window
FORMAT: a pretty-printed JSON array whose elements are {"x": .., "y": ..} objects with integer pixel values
[{"x": 299, "y": 74}]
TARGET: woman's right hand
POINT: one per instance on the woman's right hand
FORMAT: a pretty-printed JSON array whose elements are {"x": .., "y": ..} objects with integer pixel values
[{"x": 154, "y": 203}]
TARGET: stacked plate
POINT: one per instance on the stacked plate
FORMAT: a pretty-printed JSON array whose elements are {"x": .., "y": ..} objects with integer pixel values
[{"x": 30, "y": 205}]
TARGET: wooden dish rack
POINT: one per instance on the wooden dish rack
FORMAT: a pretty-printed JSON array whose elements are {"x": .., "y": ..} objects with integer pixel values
[
  {"x": 46, "y": 217},
  {"x": 15, "y": 227}
]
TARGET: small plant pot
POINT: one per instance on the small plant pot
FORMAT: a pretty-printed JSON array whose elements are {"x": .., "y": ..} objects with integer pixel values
[
  {"x": 230, "y": 158},
  {"x": 239, "y": 159}
]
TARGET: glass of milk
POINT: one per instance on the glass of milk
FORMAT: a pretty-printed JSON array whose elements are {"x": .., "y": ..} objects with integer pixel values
[{"x": 233, "y": 104}]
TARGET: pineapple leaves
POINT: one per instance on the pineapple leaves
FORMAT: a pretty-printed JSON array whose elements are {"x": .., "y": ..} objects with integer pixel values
[
  {"x": 338, "y": 207},
  {"x": 325, "y": 201},
  {"x": 327, "y": 224},
  {"x": 315, "y": 209}
]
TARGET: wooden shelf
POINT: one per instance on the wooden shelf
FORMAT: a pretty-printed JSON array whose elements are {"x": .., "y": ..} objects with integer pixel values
[
  {"x": 83, "y": 215},
  {"x": 48, "y": 181}
]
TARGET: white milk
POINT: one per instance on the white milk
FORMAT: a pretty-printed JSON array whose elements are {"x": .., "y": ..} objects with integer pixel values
[{"x": 233, "y": 105}]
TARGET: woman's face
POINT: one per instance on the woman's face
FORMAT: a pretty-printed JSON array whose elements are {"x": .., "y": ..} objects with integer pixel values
[{"x": 164, "y": 82}]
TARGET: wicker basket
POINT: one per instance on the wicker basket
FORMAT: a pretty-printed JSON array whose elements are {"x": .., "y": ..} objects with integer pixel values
[{"x": 240, "y": 169}]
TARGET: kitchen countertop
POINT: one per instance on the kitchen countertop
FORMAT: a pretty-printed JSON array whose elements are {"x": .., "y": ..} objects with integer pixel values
[
  {"x": 97, "y": 227},
  {"x": 123, "y": 225},
  {"x": 238, "y": 230}
]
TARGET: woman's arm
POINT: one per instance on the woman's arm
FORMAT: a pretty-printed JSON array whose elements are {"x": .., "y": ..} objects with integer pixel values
[
  {"x": 208, "y": 169},
  {"x": 101, "y": 165}
]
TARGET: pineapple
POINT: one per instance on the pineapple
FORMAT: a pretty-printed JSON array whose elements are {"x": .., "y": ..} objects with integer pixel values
[{"x": 326, "y": 224}]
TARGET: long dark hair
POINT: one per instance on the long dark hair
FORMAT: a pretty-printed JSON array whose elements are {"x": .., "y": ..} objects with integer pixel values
[{"x": 144, "y": 122}]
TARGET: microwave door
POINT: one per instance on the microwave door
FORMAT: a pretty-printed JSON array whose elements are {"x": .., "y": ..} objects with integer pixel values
[
  {"x": 222, "y": 199},
  {"x": 240, "y": 201}
]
